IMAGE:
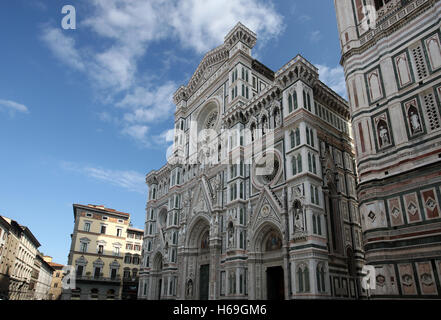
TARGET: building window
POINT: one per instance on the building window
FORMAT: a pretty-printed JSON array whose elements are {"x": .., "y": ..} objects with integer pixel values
[
  {"x": 303, "y": 279},
  {"x": 116, "y": 251},
  {"x": 100, "y": 249},
  {"x": 242, "y": 240},
  {"x": 80, "y": 270},
  {"x": 83, "y": 247},
  {"x": 309, "y": 102},
  {"x": 113, "y": 273},
  {"x": 97, "y": 272},
  {"x": 312, "y": 166},
  {"x": 310, "y": 137},
  {"x": 314, "y": 195},
  {"x": 320, "y": 273},
  {"x": 233, "y": 192},
  {"x": 299, "y": 163},
  {"x": 118, "y": 232},
  {"x": 316, "y": 224},
  {"x": 242, "y": 216},
  {"x": 87, "y": 226},
  {"x": 94, "y": 294},
  {"x": 295, "y": 138},
  {"x": 294, "y": 165},
  {"x": 103, "y": 229},
  {"x": 127, "y": 259}
]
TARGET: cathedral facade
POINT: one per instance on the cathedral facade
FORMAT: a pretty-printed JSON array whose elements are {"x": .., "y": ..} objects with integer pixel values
[
  {"x": 258, "y": 200},
  {"x": 391, "y": 53}
]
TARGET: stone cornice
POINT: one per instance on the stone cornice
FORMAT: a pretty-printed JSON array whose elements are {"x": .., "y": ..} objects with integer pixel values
[
  {"x": 329, "y": 98},
  {"x": 213, "y": 57}
]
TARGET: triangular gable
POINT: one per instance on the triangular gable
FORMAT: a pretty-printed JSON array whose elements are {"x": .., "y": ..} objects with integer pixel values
[{"x": 266, "y": 201}]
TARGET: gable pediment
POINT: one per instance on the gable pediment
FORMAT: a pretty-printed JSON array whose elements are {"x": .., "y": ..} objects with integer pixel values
[{"x": 209, "y": 65}]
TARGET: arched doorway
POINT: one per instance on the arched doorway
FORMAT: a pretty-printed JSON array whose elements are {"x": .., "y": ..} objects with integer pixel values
[
  {"x": 268, "y": 246},
  {"x": 275, "y": 283},
  {"x": 198, "y": 272},
  {"x": 157, "y": 274},
  {"x": 204, "y": 269},
  {"x": 275, "y": 287}
]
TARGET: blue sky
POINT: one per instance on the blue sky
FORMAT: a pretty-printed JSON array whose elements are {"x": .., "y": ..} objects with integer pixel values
[{"x": 86, "y": 113}]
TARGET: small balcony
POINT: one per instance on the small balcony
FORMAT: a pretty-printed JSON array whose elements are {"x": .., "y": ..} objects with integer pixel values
[{"x": 100, "y": 278}]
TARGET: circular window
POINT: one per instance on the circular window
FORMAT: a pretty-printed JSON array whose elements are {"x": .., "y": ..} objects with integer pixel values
[
  {"x": 211, "y": 120},
  {"x": 267, "y": 168}
]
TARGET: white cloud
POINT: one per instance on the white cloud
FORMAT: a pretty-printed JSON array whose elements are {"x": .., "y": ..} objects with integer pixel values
[
  {"x": 12, "y": 107},
  {"x": 304, "y": 18},
  {"x": 63, "y": 47},
  {"x": 137, "y": 132},
  {"x": 125, "y": 30},
  {"x": 149, "y": 104},
  {"x": 334, "y": 78},
  {"x": 315, "y": 36},
  {"x": 168, "y": 135},
  {"x": 130, "y": 180},
  {"x": 202, "y": 25}
]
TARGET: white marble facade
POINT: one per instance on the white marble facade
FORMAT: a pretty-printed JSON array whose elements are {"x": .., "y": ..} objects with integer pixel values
[{"x": 221, "y": 225}]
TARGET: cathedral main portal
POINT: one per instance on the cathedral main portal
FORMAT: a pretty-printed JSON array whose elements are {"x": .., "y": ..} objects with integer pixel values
[
  {"x": 275, "y": 283},
  {"x": 203, "y": 281}
]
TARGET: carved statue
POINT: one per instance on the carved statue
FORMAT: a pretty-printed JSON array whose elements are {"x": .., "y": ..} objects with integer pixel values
[
  {"x": 217, "y": 186},
  {"x": 415, "y": 122},
  {"x": 190, "y": 288},
  {"x": 230, "y": 236},
  {"x": 384, "y": 135},
  {"x": 299, "y": 226}
]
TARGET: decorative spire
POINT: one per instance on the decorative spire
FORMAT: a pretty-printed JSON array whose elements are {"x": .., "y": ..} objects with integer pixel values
[{"x": 240, "y": 33}]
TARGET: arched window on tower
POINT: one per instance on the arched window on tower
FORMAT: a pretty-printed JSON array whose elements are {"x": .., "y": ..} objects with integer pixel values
[
  {"x": 294, "y": 165},
  {"x": 299, "y": 163},
  {"x": 292, "y": 136},
  {"x": 290, "y": 103},
  {"x": 264, "y": 125},
  {"x": 303, "y": 279},
  {"x": 320, "y": 278},
  {"x": 253, "y": 130}
]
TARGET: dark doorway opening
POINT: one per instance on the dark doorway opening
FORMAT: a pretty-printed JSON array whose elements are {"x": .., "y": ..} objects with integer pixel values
[
  {"x": 204, "y": 281},
  {"x": 159, "y": 289},
  {"x": 275, "y": 283}
]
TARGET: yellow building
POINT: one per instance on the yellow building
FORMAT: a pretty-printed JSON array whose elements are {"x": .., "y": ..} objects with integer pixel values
[
  {"x": 57, "y": 278},
  {"x": 132, "y": 263},
  {"x": 97, "y": 252}
]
